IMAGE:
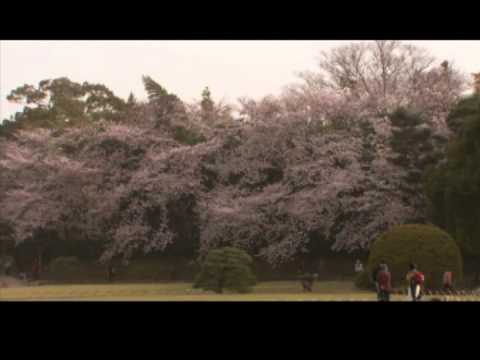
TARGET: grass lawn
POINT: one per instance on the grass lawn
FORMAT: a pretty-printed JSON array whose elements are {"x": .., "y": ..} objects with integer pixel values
[{"x": 267, "y": 291}]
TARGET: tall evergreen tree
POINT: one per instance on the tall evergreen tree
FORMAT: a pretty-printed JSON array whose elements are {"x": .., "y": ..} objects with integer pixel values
[
  {"x": 132, "y": 100},
  {"x": 165, "y": 105},
  {"x": 207, "y": 105},
  {"x": 454, "y": 187},
  {"x": 415, "y": 146},
  {"x": 154, "y": 90}
]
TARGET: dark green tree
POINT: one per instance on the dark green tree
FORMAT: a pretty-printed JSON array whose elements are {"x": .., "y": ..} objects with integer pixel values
[
  {"x": 226, "y": 268},
  {"x": 453, "y": 189},
  {"x": 154, "y": 90},
  {"x": 7, "y": 127},
  {"x": 369, "y": 147},
  {"x": 60, "y": 103},
  {"x": 415, "y": 147},
  {"x": 413, "y": 142},
  {"x": 101, "y": 103},
  {"x": 166, "y": 106},
  {"x": 207, "y": 105},
  {"x": 53, "y": 104},
  {"x": 132, "y": 100}
]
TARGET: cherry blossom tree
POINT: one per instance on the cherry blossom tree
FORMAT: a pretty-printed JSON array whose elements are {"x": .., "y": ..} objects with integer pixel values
[
  {"x": 43, "y": 193},
  {"x": 313, "y": 165},
  {"x": 385, "y": 75}
]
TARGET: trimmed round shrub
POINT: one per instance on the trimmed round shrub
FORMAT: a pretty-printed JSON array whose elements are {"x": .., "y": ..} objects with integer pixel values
[
  {"x": 430, "y": 248},
  {"x": 226, "y": 268}
]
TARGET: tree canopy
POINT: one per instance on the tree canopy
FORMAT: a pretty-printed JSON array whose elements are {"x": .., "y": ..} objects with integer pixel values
[
  {"x": 61, "y": 103},
  {"x": 454, "y": 187},
  {"x": 322, "y": 163}
]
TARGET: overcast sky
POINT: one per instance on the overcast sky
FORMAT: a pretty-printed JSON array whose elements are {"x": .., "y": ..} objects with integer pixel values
[{"x": 230, "y": 68}]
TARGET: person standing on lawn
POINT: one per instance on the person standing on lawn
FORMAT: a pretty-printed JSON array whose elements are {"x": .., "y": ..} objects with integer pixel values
[
  {"x": 375, "y": 272},
  {"x": 415, "y": 280},
  {"x": 384, "y": 281},
  {"x": 358, "y": 266}
]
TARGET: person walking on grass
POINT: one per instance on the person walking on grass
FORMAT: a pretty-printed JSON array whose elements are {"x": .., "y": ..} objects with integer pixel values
[
  {"x": 415, "y": 281},
  {"x": 384, "y": 281}
]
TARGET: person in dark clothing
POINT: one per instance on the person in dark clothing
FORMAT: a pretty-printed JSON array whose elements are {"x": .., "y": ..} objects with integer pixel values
[{"x": 384, "y": 281}]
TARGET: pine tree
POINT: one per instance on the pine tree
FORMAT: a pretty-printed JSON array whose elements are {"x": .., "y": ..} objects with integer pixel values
[
  {"x": 166, "y": 105},
  {"x": 453, "y": 188},
  {"x": 132, "y": 101},
  {"x": 154, "y": 90},
  {"x": 60, "y": 103},
  {"x": 207, "y": 105},
  {"x": 414, "y": 145}
]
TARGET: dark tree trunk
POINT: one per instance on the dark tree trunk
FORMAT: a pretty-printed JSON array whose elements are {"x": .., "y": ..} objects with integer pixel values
[
  {"x": 110, "y": 272},
  {"x": 37, "y": 264},
  {"x": 18, "y": 261}
]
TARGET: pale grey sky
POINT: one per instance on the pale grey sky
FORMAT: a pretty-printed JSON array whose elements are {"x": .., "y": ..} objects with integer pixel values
[{"x": 230, "y": 68}]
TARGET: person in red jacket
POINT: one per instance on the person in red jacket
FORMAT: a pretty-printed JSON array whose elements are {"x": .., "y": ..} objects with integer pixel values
[
  {"x": 416, "y": 281},
  {"x": 384, "y": 280}
]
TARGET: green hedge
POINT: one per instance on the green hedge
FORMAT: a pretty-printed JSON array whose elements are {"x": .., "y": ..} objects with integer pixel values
[{"x": 430, "y": 248}]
